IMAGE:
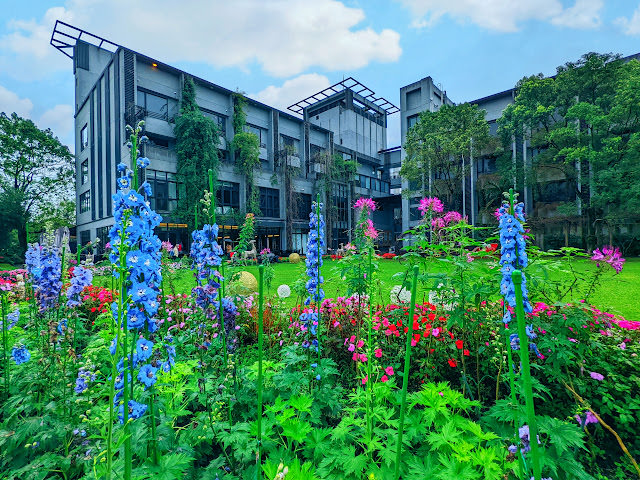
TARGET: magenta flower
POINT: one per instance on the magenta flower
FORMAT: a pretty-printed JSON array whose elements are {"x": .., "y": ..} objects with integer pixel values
[
  {"x": 365, "y": 203},
  {"x": 452, "y": 217},
  {"x": 610, "y": 255},
  {"x": 596, "y": 376},
  {"x": 430, "y": 203}
]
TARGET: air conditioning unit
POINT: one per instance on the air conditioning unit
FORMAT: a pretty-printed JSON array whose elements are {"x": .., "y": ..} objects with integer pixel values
[
  {"x": 319, "y": 168},
  {"x": 293, "y": 161}
]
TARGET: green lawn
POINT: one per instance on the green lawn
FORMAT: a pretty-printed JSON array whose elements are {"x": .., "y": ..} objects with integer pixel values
[{"x": 616, "y": 293}]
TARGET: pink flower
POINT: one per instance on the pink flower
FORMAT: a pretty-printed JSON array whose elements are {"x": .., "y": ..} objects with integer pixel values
[
  {"x": 435, "y": 332},
  {"x": 452, "y": 217},
  {"x": 352, "y": 347},
  {"x": 430, "y": 203},
  {"x": 365, "y": 380},
  {"x": 365, "y": 203},
  {"x": 596, "y": 376},
  {"x": 623, "y": 346},
  {"x": 360, "y": 343},
  {"x": 384, "y": 378},
  {"x": 437, "y": 223},
  {"x": 389, "y": 370},
  {"x": 378, "y": 352}
]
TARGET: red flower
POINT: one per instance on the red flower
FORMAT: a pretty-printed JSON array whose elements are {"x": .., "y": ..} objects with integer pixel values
[
  {"x": 465, "y": 353},
  {"x": 453, "y": 363},
  {"x": 459, "y": 344}
]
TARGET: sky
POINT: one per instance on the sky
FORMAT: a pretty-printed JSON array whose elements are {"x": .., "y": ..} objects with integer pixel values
[{"x": 281, "y": 51}]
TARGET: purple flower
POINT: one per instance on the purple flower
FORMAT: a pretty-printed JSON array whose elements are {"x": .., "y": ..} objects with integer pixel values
[
  {"x": 596, "y": 376},
  {"x": 430, "y": 203}
]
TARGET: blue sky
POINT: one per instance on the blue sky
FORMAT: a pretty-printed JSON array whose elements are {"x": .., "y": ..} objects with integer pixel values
[{"x": 280, "y": 51}]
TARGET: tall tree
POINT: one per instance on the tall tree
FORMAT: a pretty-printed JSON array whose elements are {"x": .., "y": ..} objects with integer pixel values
[
  {"x": 439, "y": 148},
  {"x": 197, "y": 140},
  {"x": 584, "y": 124},
  {"x": 34, "y": 167}
]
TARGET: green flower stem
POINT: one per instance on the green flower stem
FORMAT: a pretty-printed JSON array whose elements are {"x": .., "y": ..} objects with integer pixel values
[
  {"x": 514, "y": 400},
  {"x": 5, "y": 345},
  {"x": 259, "y": 386},
  {"x": 405, "y": 373},
  {"x": 369, "y": 347},
  {"x": 516, "y": 276},
  {"x": 154, "y": 436},
  {"x": 319, "y": 302}
]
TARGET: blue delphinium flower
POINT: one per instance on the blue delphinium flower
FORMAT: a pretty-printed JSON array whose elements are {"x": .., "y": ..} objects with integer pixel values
[
  {"x": 147, "y": 375},
  {"x": 315, "y": 245},
  {"x": 133, "y": 232},
  {"x": 206, "y": 255},
  {"x": 84, "y": 377},
  {"x": 229, "y": 314},
  {"x": 13, "y": 318},
  {"x": 513, "y": 256},
  {"x": 81, "y": 278},
  {"x": 20, "y": 354},
  {"x": 136, "y": 410},
  {"x": 44, "y": 268}
]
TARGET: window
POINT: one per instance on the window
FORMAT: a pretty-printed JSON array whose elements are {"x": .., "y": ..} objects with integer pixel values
[
  {"x": 85, "y": 202},
  {"x": 302, "y": 206},
  {"x": 85, "y": 237},
  {"x": 103, "y": 234},
  {"x": 290, "y": 144},
  {"x": 221, "y": 120},
  {"x": 412, "y": 120},
  {"x": 270, "y": 202},
  {"x": 315, "y": 151},
  {"x": 84, "y": 137},
  {"x": 394, "y": 172},
  {"x": 261, "y": 133},
  {"x": 156, "y": 106},
  {"x": 413, "y": 98},
  {"x": 227, "y": 197},
  {"x": 556, "y": 191},
  {"x": 164, "y": 190},
  {"x": 486, "y": 165},
  {"x": 84, "y": 172}
]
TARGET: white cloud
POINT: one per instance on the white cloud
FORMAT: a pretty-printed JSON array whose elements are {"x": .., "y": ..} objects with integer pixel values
[
  {"x": 585, "y": 14},
  {"x": 630, "y": 26},
  {"x": 59, "y": 118},
  {"x": 504, "y": 15},
  {"x": 285, "y": 37},
  {"x": 292, "y": 90},
  {"x": 10, "y": 102}
]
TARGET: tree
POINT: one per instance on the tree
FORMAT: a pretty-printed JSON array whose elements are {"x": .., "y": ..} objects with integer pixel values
[
  {"x": 35, "y": 167},
  {"x": 439, "y": 147},
  {"x": 197, "y": 140},
  {"x": 584, "y": 123}
]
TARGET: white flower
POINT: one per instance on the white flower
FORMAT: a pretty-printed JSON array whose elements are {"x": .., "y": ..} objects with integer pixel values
[
  {"x": 284, "y": 291},
  {"x": 401, "y": 294}
]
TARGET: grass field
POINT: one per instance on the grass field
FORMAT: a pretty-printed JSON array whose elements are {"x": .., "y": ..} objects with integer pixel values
[{"x": 618, "y": 294}]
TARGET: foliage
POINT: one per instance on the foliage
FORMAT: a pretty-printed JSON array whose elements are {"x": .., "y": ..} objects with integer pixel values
[
  {"x": 585, "y": 126},
  {"x": 436, "y": 143},
  {"x": 35, "y": 167},
  {"x": 246, "y": 147},
  {"x": 197, "y": 141}
]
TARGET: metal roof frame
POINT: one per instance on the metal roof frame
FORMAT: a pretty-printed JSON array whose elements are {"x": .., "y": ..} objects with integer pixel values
[
  {"x": 346, "y": 84},
  {"x": 65, "y": 37}
]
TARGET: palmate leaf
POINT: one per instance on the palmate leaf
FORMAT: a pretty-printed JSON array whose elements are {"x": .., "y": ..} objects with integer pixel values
[
  {"x": 563, "y": 435},
  {"x": 420, "y": 467},
  {"x": 451, "y": 468},
  {"x": 295, "y": 429},
  {"x": 301, "y": 403},
  {"x": 488, "y": 460}
]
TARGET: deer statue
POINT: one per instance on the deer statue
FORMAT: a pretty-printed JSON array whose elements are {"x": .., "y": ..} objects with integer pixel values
[
  {"x": 340, "y": 251},
  {"x": 250, "y": 254}
]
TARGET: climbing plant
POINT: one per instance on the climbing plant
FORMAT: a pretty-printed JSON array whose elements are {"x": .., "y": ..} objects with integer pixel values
[
  {"x": 246, "y": 147},
  {"x": 197, "y": 140}
]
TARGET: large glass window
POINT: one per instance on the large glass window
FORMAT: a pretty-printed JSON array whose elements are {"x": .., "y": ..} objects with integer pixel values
[
  {"x": 302, "y": 206},
  {"x": 227, "y": 197},
  {"x": 84, "y": 137},
  {"x": 221, "y": 120},
  {"x": 270, "y": 202},
  {"x": 84, "y": 172},
  {"x": 261, "y": 133},
  {"x": 156, "y": 106},
  {"x": 412, "y": 120},
  {"x": 164, "y": 190},
  {"x": 85, "y": 202},
  {"x": 290, "y": 144}
]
